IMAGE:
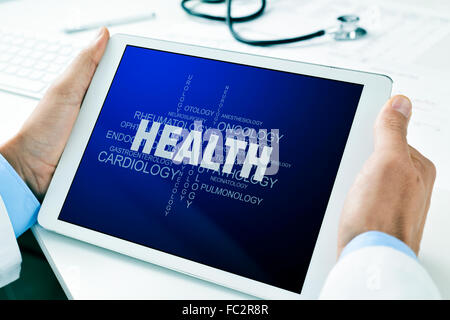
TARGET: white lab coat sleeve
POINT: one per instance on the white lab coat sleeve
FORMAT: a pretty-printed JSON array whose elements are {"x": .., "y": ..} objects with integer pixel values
[
  {"x": 10, "y": 258},
  {"x": 379, "y": 272}
]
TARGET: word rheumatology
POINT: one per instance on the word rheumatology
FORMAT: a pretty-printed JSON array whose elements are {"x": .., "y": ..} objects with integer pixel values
[{"x": 189, "y": 150}]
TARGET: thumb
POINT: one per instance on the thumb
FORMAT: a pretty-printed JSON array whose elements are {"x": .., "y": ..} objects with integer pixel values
[
  {"x": 75, "y": 80},
  {"x": 392, "y": 124}
]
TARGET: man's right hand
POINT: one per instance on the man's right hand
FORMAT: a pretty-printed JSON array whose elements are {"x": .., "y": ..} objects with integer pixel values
[{"x": 392, "y": 192}]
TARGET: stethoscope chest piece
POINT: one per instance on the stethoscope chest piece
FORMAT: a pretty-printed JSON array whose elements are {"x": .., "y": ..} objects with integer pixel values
[{"x": 349, "y": 29}]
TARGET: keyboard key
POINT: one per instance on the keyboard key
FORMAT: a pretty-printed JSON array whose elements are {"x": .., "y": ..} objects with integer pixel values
[
  {"x": 7, "y": 39},
  {"x": 16, "y": 60},
  {"x": 29, "y": 62},
  {"x": 11, "y": 69},
  {"x": 5, "y": 57},
  {"x": 23, "y": 72},
  {"x": 54, "y": 68},
  {"x": 25, "y": 52},
  {"x": 61, "y": 60},
  {"x": 18, "y": 41},
  {"x": 29, "y": 43},
  {"x": 41, "y": 46},
  {"x": 53, "y": 47},
  {"x": 48, "y": 78},
  {"x": 13, "y": 50},
  {"x": 41, "y": 65},
  {"x": 35, "y": 75},
  {"x": 36, "y": 54},
  {"x": 48, "y": 57},
  {"x": 66, "y": 50}
]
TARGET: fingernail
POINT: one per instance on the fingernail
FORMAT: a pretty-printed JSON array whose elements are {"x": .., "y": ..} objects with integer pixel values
[
  {"x": 99, "y": 34},
  {"x": 402, "y": 105}
]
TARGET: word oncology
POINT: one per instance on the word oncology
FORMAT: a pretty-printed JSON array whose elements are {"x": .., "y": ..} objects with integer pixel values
[{"x": 191, "y": 146}]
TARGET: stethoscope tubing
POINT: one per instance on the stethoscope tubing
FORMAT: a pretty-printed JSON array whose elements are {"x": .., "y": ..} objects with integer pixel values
[{"x": 229, "y": 20}]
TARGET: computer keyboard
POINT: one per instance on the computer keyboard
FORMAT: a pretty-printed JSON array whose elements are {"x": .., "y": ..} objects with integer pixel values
[{"x": 28, "y": 65}]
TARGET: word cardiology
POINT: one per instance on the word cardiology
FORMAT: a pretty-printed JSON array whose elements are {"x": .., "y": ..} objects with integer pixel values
[{"x": 191, "y": 146}]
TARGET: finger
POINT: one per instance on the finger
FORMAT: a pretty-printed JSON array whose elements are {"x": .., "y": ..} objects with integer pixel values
[
  {"x": 74, "y": 82},
  {"x": 428, "y": 174},
  {"x": 425, "y": 167},
  {"x": 392, "y": 124}
]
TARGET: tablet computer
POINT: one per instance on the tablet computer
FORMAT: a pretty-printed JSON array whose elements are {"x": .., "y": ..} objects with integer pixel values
[{"x": 226, "y": 166}]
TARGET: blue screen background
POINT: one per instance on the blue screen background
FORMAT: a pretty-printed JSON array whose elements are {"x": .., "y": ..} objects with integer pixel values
[{"x": 271, "y": 243}]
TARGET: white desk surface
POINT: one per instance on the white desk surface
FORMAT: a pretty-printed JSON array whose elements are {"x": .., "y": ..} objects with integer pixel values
[{"x": 89, "y": 272}]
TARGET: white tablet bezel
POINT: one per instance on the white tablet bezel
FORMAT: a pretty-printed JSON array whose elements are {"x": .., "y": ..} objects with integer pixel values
[{"x": 376, "y": 91}]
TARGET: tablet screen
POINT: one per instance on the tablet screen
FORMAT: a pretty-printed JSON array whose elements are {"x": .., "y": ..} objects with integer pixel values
[{"x": 224, "y": 164}]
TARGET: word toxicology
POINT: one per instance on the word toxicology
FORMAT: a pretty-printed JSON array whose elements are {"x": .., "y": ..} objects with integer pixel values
[{"x": 190, "y": 148}]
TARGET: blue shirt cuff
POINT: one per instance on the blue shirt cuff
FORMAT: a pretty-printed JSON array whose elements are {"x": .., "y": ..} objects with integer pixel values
[
  {"x": 377, "y": 238},
  {"x": 20, "y": 202}
]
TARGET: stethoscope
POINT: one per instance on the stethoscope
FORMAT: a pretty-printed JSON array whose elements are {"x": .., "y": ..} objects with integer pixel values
[{"x": 348, "y": 28}]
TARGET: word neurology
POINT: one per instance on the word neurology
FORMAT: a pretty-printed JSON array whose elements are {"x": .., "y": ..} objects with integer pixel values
[{"x": 191, "y": 149}]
